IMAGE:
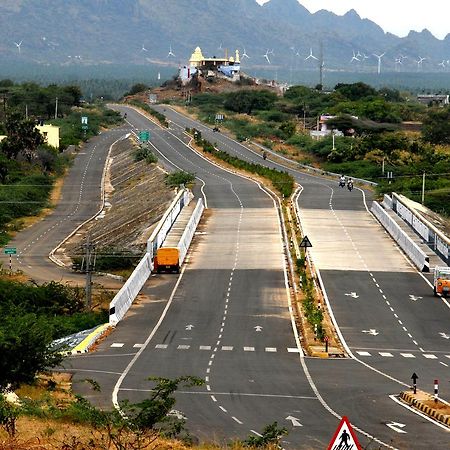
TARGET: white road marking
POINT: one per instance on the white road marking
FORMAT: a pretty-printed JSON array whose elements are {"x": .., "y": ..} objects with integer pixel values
[
  {"x": 183, "y": 347},
  {"x": 161, "y": 345},
  {"x": 386, "y": 354},
  {"x": 223, "y": 409},
  {"x": 270, "y": 349},
  {"x": 362, "y": 353},
  {"x": 236, "y": 420},
  {"x": 249, "y": 349},
  {"x": 205, "y": 347},
  {"x": 428, "y": 356},
  {"x": 227, "y": 348},
  {"x": 407, "y": 355},
  {"x": 293, "y": 350},
  {"x": 117, "y": 345},
  {"x": 138, "y": 345}
]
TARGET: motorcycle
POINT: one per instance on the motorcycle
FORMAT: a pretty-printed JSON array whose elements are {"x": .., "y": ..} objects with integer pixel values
[
  {"x": 264, "y": 155},
  {"x": 350, "y": 186},
  {"x": 341, "y": 183}
]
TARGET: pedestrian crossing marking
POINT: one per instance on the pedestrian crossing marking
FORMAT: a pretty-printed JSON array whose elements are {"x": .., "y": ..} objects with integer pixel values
[
  {"x": 161, "y": 346},
  {"x": 407, "y": 355},
  {"x": 271, "y": 349},
  {"x": 249, "y": 349},
  {"x": 428, "y": 356},
  {"x": 386, "y": 354}
]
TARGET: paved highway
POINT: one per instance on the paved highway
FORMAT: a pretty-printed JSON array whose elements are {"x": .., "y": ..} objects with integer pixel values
[
  {"x": 390, "y": 322},
  {"x": 227, "y": 320},
  {"x": 80, "y": 199}
]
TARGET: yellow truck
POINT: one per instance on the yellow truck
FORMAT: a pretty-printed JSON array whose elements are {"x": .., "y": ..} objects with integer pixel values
[
  {"x": 441, "y": 281},
  {"x": 167, "y": 259}
]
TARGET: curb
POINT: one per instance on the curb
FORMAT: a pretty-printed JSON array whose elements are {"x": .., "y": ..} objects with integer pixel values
[
  {"x": 409, "y": 398},
  {"x": 88, "y": 341}
]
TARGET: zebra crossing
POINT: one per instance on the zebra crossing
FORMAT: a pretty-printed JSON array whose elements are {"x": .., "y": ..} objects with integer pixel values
[
  {"x": 223, "y": 348},
  {"x": 401, "y": 354}
]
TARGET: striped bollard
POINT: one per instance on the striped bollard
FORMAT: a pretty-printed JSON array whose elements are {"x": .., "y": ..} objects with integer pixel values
[{"x": 436, "y": 390}]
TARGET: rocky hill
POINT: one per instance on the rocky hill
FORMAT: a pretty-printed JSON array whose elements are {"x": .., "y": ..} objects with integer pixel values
[{"x": 86, "y": 32}]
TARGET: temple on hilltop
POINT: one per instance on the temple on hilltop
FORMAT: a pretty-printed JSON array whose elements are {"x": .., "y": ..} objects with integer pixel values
[{"x": 226, "y": 67}]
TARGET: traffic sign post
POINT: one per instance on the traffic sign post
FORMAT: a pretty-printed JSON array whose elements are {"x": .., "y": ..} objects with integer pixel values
[
  {"x": 436, "y": 390},
  {"x": 344, "y": 437},
  {"x": 414, "y": 377},
  {"x": 10, "y": 251},
  {"x": 144, "y": 136},
  {"x": 305, "y": 243}
]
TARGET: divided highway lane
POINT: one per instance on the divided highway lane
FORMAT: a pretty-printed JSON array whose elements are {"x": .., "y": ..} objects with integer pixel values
[
  {"x": 227, "y": 322},
  {"x": 80, "y": 200},
  {"x": 371, "y": 287}
]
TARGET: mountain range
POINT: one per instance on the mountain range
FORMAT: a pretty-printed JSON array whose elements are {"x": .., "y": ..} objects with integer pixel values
[{"x": 87, "y": 32}]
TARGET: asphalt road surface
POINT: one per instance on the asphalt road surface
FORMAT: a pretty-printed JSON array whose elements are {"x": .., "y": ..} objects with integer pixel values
[
  {"x": 80, "y": 200},
  {"x": 226, "y": 319}
]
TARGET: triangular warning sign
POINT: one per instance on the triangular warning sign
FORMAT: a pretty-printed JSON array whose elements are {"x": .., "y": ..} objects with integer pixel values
[
  {"x": 305, "y": 242},
  {"x": 344, "y": 438}
]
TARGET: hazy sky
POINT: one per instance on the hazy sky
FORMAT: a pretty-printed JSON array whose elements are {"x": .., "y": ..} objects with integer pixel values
[{"x": 395, "y": 16}]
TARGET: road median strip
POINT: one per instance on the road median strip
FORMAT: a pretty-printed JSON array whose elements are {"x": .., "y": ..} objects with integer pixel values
[
  {"x": 90, "y": 339},
  {"x": 419, "y": 401}
]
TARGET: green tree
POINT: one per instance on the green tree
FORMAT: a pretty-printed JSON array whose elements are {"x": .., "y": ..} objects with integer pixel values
[
  {"x": 436, "y": 127},
  {"x": 137, "y": 88},
  {"x": 22, "y": 137},
  {"x": 25, "y": 349},
  {"x": 247, "y": 101}
]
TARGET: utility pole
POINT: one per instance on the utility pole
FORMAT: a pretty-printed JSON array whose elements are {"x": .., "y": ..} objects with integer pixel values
[
  {"x": 321, "y": 65},
  {"x": 56, "y": 108},
  {"x": 423, "y": 188},
  {"x": 89, "y": 249}
]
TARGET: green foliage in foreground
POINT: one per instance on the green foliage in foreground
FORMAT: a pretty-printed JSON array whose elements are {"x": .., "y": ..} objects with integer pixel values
[
  {"x": 271, "y": 435},
  {"x": 32, "y": 317},
  {"x": 135, "y": 423}
]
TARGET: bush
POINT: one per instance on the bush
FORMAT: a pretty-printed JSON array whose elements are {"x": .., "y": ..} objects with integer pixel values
[
  {"x": 179, "y": 178},
  {"x": 145, "y": 154}
]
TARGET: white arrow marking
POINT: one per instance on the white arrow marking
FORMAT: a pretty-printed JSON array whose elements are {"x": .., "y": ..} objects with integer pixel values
[
  {"x": 258, "y": 328},
  {"x": 445, "y": 336},
  {"x": 353, "y": 295},
  {"x": 294, "y": 420},
  {"x": 189, "y": 327},
  {"x": 396, "y": 426},
  {"x": 414, "y": 298},
  {"x": 372, "y": 332},
  {"x": 178, "y": 414}
]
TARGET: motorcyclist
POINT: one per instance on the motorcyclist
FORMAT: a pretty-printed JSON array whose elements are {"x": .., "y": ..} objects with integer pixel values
[
  {"x": 350, "y": 184},
  {"x": 264, "y": 155},
  {"x": 342, "y": 181}
]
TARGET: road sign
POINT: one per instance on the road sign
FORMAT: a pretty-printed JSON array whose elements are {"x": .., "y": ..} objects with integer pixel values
[
  {"x": 344, "y": 437},
  {"x": 10, "y": 250},
  {"x": 84, "y": 120},
  {"x": 414, "y": 377},
  {"x": 305, "y": 242},
  {"x": 144, "y": 136},
  {"x": 219, "y": 117}
]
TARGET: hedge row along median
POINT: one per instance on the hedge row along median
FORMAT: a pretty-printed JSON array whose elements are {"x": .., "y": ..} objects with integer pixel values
[
  {"x": 282, "y": 181},
  {"x": 161, "y": 118}
]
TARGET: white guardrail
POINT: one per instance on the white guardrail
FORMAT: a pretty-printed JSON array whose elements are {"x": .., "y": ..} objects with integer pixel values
[
  {"x": 417, "y": 256},
  {"x": 129, "y": 291},
  {"x": 434, "y": 238}
]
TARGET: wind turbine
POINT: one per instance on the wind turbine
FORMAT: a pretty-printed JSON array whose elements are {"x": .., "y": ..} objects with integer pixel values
[
  {"x": 311, "y": 55},
  {"x": 398, "y": 63},
  {"x": 442, "y": 64},
  {"x": 419, "y": 62},
  {"x": 365, "y": 56},
  {"x": 244, "y": 55},
  {"x": 379, "y": 61},
  {"x": 18, "y": 45},
  {"x": 171, "y": 53},
  {"x": 143, "y": 49},
  {"x": 266, "y": 55},
  {"x": 354, "y": 57}
]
